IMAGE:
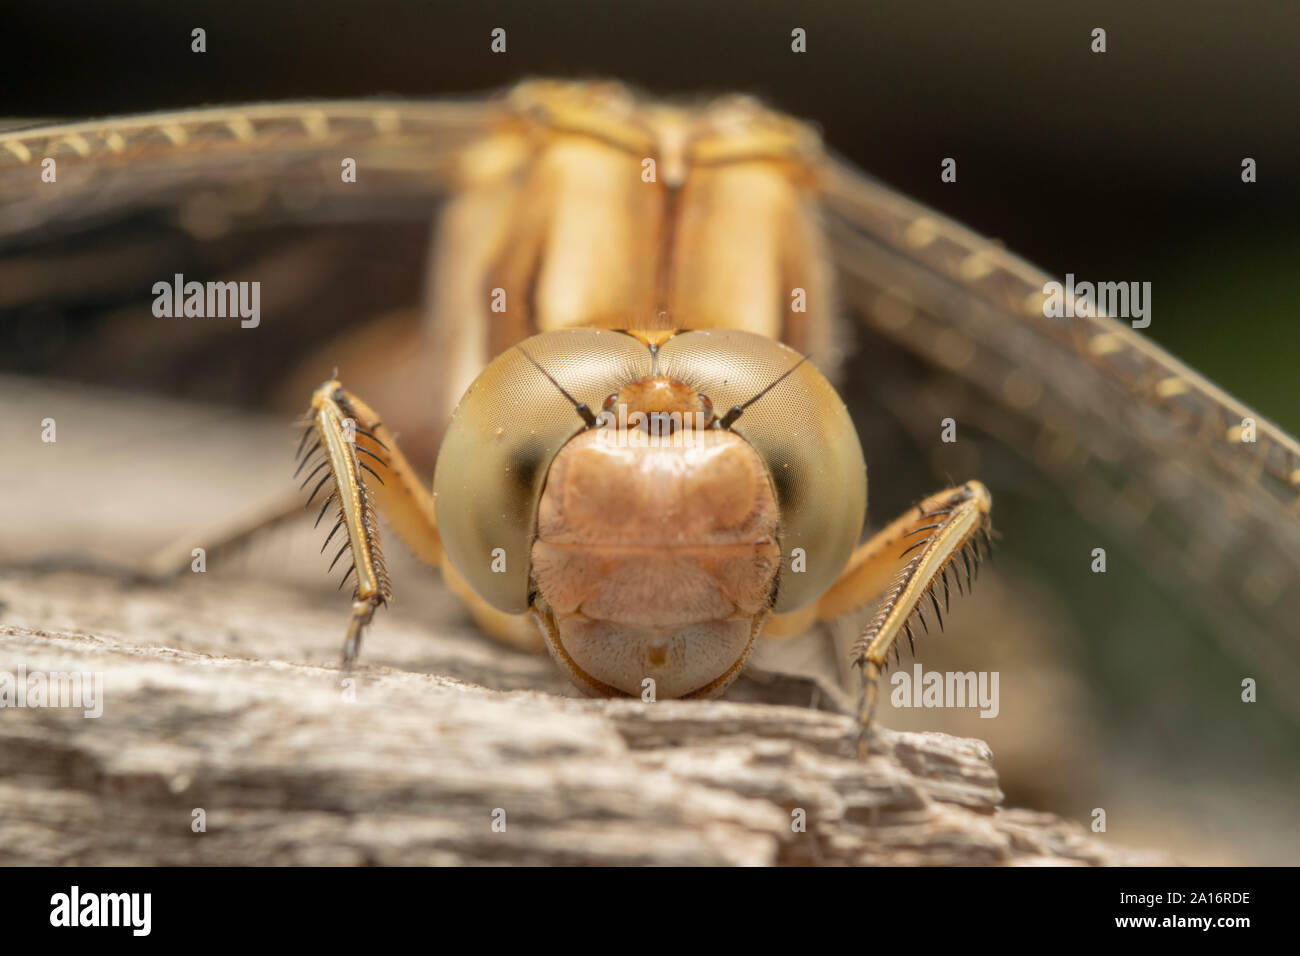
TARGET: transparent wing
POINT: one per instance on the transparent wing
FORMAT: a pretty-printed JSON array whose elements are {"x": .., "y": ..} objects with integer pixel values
[
  {"x": 233, "y": 193},
  {"x": 403, "y": 150},
  {"x": 1138, "y": 443}
]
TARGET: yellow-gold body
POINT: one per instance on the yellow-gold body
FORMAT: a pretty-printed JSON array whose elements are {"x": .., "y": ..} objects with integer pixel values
[{"x": 652, "y": 262}]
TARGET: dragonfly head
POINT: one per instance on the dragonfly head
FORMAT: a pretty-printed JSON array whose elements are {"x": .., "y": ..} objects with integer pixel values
[{"x": 588, "y": 473}]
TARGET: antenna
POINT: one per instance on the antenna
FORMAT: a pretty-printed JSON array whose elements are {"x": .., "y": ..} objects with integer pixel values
[
  {"x": 729, "y": 419},
  {"x": 581, "y": 407}
]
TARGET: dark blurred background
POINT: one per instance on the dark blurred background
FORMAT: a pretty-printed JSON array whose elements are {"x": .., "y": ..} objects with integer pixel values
[{"x": 1123, "y": 165}]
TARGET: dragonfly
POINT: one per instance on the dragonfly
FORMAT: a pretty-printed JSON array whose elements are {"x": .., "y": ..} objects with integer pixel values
[{"x": 572, "y": 209}]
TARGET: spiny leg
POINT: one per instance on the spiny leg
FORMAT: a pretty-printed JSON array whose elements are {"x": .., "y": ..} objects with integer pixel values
[
  {"x": 385, "y": 353},
  {"x": 348, "y": 447},
  {"x": 389, "y": 483},
  {"x": 909, "y": 561}
]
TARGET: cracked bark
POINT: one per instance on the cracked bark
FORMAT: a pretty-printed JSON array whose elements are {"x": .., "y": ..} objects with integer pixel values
[{"x": 225, "y": 711}]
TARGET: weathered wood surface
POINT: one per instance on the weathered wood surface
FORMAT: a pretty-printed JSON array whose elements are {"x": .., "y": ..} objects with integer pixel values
[{"x": 223, "y": 696}]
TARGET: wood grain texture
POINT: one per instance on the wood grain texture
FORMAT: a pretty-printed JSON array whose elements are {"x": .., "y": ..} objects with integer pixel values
[{"x": 224, "y": 696}]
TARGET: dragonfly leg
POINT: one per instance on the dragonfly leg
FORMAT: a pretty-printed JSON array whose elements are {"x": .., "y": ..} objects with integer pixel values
[
  {"x": 345, "y": 442},
  {"x": 370, "y": 475},
  {"x": 908, "y": 562}
]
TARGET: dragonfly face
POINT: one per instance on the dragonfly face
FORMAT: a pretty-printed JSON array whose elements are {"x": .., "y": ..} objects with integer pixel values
[{"x": 723, "y": 481}]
